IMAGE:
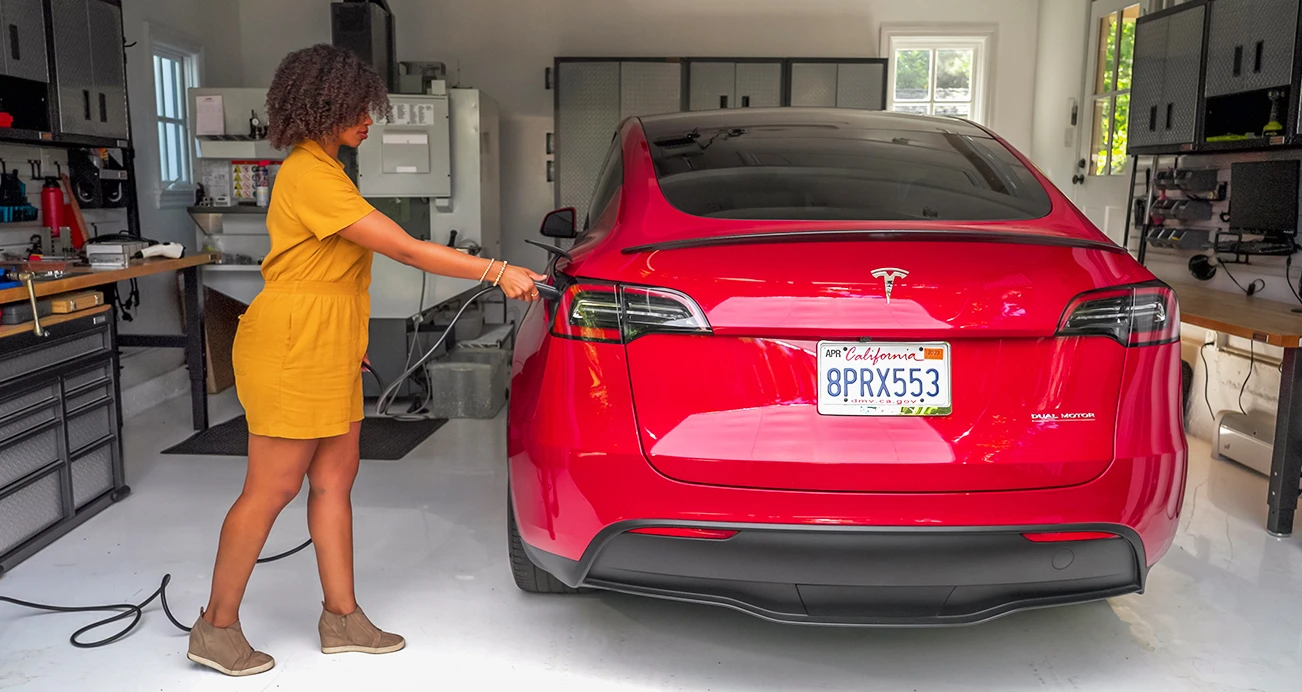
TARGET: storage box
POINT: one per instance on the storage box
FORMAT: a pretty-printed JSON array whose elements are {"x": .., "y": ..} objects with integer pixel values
[
  {"x": 467, "y": 390},
  {"x": 72, "y": 302},
  {"x": 21, "y": 313}
]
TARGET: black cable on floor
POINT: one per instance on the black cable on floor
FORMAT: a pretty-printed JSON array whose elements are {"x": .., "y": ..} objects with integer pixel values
[{"x": 135, "y": 611}]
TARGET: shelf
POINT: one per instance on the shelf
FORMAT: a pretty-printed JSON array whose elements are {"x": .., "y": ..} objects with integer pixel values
[
  {"x": 233, "y": 268},
  {"x": 51, "y": 320},
  {"x": 251, "y": 211}
]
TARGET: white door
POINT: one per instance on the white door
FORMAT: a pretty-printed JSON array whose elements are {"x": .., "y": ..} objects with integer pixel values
[{"x": 1099, "y": 186}]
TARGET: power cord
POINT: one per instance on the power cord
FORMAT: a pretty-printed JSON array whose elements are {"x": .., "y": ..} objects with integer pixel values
[
  {"x": 1252, "y": 288},
  {"x": 1252, "y": 364},
  {"x": 135, "y": 611},
  {"x": 1207, "y": 376}
]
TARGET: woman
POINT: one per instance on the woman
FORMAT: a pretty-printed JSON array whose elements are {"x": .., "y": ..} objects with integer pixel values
[{"x": 299, "y": 350}]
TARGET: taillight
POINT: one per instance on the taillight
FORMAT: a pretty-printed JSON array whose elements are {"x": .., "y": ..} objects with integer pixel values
[
  {"x": 619, "y": 314},
  {"x": 1143, "y": 315},
  {"x": 589, "y": 313}
]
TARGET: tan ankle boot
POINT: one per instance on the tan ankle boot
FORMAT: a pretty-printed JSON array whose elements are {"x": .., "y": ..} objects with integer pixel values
[
  {"x": 225, "y": 649},
  {"x": 354, "y": 632}
]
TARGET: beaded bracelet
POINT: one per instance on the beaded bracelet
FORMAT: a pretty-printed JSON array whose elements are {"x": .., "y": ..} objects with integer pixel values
[
  {"x": 499, "y": 274},
  {"x": 487, "y": 269}
]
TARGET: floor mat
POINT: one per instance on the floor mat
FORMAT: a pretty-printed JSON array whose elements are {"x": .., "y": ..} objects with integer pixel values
[{"x": 383, "y": 439}]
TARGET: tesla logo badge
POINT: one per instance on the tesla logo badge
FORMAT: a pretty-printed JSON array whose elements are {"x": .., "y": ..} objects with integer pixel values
[{"x": 889, "y": 276}]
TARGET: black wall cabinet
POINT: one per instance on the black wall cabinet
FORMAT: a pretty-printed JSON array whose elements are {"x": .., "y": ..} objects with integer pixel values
[{"x": 1216, "y": 75}]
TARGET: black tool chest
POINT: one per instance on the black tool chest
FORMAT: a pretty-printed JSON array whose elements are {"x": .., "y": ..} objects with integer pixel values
[{"x": 60, "y": 433}]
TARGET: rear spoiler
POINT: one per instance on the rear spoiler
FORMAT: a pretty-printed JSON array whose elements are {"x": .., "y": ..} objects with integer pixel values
[{"x": 1007, "y": 237}]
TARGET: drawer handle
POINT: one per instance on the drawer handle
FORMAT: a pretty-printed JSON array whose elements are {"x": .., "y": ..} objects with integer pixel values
[
  {"x": 1238, "y": 60},
  {"x": 85, "y": 95},
  {"x": 1152, "y": 119},
  {"x": 1170, "y": 108},
  {"x": 103, "y": 108},
  {"x": 1260, "y": 48},
  {"x": 723, "y": 101},
  {"x": 13, "y": 42},
  {"x": 745, "y": 102}
]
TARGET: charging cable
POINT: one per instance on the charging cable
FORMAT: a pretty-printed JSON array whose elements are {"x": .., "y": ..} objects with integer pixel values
[{"x": 136, "y": 611}]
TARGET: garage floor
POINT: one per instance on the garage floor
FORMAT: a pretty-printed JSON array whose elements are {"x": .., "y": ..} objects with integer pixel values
[{"x": 1223, "y": 612}]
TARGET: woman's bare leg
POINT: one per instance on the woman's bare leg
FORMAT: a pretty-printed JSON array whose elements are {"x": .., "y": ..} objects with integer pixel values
[
  {"x": 330, "y": 516},
  {"x": 275, "y": 476}
]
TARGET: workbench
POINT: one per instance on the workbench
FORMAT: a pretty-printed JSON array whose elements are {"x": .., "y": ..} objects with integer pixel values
[
  {"x": 61, "y": 404},
  {"x": 85, "y": 278},
  {"x": 1268, "y": 322}
]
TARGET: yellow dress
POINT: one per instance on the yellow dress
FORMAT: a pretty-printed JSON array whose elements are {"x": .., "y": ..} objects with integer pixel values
[{"x": 299, "y": 347}]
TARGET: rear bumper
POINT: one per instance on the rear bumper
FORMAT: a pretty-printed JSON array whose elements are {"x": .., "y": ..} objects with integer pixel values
[{"x": 861, "y": 576}]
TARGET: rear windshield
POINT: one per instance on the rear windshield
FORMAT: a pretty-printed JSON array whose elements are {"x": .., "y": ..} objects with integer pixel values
[{"x": 840, "y": 171}]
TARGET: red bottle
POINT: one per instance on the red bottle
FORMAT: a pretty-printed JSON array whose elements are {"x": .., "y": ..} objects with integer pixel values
[{"x": 52, "y": 206}]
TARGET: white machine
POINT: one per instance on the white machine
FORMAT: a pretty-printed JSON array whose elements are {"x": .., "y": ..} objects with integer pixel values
[{"x": 1247, "y": 439}]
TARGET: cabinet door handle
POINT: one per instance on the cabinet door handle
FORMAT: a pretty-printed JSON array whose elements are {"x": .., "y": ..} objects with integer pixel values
[
  {"x": 723, "y": 101},
  {"x": 103, "y": 108},
  {"x": 13, "y": 42},
  {"x": 85, "y": 95},
  {"x": 1170, "y": 109},
  {"x": 1260, "y": 47},
  {"x": 1152, "y": 119},
  {"x": 1238, "y": 60}
]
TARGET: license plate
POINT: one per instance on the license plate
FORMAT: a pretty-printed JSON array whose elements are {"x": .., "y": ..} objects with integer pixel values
[{"x": 878, "y": 379}]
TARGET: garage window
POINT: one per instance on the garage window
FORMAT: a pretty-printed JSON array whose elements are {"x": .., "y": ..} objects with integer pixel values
[
  {"x": 175, "y": 73},
  {"x": 938, "y": 74},
  {"x": 1111, "y": 89}
]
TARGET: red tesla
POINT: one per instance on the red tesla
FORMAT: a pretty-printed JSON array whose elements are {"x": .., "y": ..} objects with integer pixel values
[{"x": 830, "y": 366}]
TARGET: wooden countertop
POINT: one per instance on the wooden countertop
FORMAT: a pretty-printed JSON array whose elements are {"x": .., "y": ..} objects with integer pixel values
[
  {"x": 1266, "y": 321},
  {"x": 82, "y": 278}
]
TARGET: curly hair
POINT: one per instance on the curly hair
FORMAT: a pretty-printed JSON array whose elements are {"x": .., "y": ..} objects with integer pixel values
[{"x": 320, "y": 91}]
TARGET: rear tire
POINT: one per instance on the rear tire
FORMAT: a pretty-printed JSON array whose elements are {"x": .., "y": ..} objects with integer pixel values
[{"x": 528, "y": 576}]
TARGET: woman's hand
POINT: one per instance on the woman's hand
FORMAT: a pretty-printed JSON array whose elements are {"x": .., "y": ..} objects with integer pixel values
[{"x": 517, "y": 282}]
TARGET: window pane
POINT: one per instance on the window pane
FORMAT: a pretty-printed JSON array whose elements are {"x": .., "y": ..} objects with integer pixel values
[
  {"x": 1127, "y": 50},
  {"x": 163, "y": 173},
  {"x": 158, "y": 84},
  {"x": 169, "y": 88},
  {"x": 920, "y": 108},
  {"x": 1102, "y": 133},
  {"x": 178, "y": 94},
  {"x": 962, "y": 110},
  {"x": 174, "y": 151},
  {"x": 786, "y": 167},
  {"x": 1107, "y": 63},
  {"x": 912, "y": 75},
  {"x": 1120, "y": 123},
  {"x": 953, "y": 75}
]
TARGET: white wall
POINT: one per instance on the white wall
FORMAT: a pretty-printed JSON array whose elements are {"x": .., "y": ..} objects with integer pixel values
[
  {"x": 503, "y": 46},
  {"x": 213, "y": 25}
]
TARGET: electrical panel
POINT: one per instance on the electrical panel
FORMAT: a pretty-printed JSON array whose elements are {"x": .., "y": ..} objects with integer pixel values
[{"x": 409, "y": 154}]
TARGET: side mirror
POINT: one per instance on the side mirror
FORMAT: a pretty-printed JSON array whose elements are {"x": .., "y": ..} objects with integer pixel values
[{"x": 561, "y": 224}]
